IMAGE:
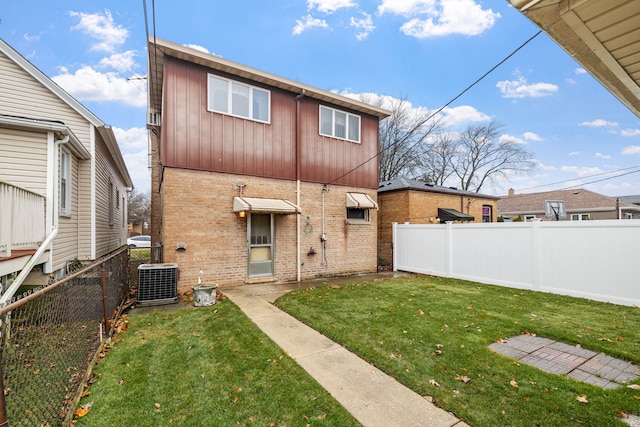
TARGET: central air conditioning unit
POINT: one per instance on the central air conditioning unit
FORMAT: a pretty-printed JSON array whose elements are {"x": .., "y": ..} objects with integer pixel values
[{"x": 157, "y": 284}]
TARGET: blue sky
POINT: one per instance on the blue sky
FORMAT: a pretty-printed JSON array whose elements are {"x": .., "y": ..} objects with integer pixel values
[{"x": 426, "y": 51}]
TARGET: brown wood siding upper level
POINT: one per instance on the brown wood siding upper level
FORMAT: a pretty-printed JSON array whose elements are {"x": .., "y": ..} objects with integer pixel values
[{"x": 195, "y": 138}]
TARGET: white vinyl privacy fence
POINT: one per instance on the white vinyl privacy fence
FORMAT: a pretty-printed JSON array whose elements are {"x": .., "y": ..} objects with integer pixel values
[{"x": 599, "y": 260}]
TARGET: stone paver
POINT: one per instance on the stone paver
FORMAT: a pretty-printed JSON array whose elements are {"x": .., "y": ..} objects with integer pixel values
[{"x": 575, "y": 362}]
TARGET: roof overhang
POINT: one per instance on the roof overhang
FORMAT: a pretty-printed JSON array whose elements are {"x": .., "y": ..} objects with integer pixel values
[
  {"x": 58, "y": 128},
  {"x": 159, "y": 48},
  {"x": 603, "y": 36},
  {"x": 259, "y": 205},
  {"x": 446, "y": 214},
  {"x": 360, "y": 201}
]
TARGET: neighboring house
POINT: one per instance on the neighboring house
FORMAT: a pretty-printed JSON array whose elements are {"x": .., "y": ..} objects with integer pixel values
[
  {"x": 63, "y": 182},
  {"x": 406, "y": 200},
  {"x": 579, "y": 204},
  {"x": 635, "y": 199},
  {"x": 256, "y": 177},
  {"x": 603, "y": 36}
]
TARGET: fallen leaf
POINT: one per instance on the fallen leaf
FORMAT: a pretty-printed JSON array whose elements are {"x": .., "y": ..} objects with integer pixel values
[
  {"x": 434, "y": 383},
  {"x": 239, "y": 389},
  {"x": 121, "y": 382},
  {"x": 636, "y": 397},
  {"x": 85, "y": 394},
  {"x": 582, "y": 399},
  {"x": 465, "y": 379},
  {"x": 235, "y": 399},
  {"x": 157, "y": 405},
  {"x": 429, "y": 399},
  {"x": 513, "y": 383},
  {"x": 81, "y": 412},
  {"x": 634, "y": 386}
]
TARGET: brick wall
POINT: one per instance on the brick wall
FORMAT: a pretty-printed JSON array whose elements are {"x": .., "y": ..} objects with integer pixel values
[
  {"x": 421, "y": 207},
  {"x": 198, "y": 211}
]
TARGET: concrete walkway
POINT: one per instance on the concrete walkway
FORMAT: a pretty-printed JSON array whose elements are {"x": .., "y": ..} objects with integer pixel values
[{"x": 370, "y": 395}]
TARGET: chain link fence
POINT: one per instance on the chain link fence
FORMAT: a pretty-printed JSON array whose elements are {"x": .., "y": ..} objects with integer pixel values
[{"x": 50, "y": 336}]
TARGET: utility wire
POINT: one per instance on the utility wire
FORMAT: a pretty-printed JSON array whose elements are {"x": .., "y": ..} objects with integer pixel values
[
  {"x": 600, "y": 180},
  {"x": 587, "y": 176},
  {"x": 444, "y": 106}
]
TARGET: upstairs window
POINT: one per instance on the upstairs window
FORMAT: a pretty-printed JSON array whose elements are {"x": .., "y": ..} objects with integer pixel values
[
  {"x": 239, "y": 99},
  {"x": 339, "y": 124},
  {"x": 580, "y": 217}
]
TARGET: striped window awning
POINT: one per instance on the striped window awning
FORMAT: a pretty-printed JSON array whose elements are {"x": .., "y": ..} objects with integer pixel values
[
  {"x": 259, "y": 205},
  {"x": 360, "y": 201}
]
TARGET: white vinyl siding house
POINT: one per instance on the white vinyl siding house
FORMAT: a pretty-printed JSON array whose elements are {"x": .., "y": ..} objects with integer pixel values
[{"x": 39, "y": 122}]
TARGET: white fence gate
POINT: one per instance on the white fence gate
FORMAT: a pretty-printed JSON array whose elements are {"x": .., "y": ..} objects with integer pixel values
[{"x": 599, "y": 260}]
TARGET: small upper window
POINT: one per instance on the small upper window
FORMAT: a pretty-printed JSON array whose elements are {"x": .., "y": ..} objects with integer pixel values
[
  {"x": 356, "y": 213},
  {"x": 238, "y": 99},
  {"x": 339, "y": 124},
  {"x": 65, "y": 182}
]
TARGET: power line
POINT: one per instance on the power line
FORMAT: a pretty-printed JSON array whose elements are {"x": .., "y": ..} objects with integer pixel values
[
  {"x": 600, "y": 180},
  {"x": 587, "y": 176},
  {"x": 444, "y": 106}
]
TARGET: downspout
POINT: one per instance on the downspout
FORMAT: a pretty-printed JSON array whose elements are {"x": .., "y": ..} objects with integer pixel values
[
  {"x": 298, "y": 153},
  {"x": 11, "y": 290}
]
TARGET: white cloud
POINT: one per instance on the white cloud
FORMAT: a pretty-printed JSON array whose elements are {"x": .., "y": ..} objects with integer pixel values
[
  {"x": 575, "y": 153},
  {"x": 510, "y": 138},
  {"x": 519, "y": 88},
  {"x": 437, "y": 18},
  {"x": 30, "y": 37},
  {"x": 542, "y": 166},
  {"x": 630, "y": 132},
  {"x": 87, "y": 84},
  {"x": 121, "y": 62},
  {"x": 580, "y": 70},
  {"x": 599, "y": 123},
  {"x": 197, "y": 47},
  {"x": 132, "y": 139},
  {"x": 462, "y": 115},
  {"x": 581, "y": 170},
  {"x": 632, "y": 149},
  {"x": 329, "y": 6},
  {"x": 531, "y": 136},
  {"x": 102, "y": 28},
  {"x": 602, "y": 156},
  {"x": 308, "y": 22},
  {"x": 133, "y": 143},
  {"x": 364, "y": 26}
]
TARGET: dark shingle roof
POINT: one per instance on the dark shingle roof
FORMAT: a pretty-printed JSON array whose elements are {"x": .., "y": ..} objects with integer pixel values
[{"x": 414, "y": 184}]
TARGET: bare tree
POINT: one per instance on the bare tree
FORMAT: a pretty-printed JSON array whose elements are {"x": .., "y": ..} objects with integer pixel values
[
  {"x": 139, "y": 208},
  {"x": 481, "y": 157},
  {"x": 402, "y": 136},
  {"x": 436, "y": 164}
]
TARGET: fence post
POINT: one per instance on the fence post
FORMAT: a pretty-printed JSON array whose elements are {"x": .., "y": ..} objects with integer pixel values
[
  {"x": 535, "y": 251},
  {"x": 449, "y": 248},
  {"x": 394, "y": 255},
  {"x": 105, "y": 305}
]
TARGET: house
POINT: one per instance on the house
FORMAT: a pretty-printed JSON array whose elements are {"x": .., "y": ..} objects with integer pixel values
[
  {"x": 601, "y": 35},
  {"x": 63, "y": 181},
  {"x": 418, "y": 202},
  {"x": 579, "y": 205},
  {"x": 255, "y": 177}
]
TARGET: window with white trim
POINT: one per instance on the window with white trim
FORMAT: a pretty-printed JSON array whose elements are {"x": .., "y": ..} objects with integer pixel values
[
  {"x": 358, "y": 214},
  {"x": 628, "y": 215},
  {"x": 580, "y": 217},
  {"x": 239, "y": 99},
  {"x": 65, "y": 183},
  {"x": 487, "y": 213},
  {"x": 111, "y": 204},
  {"x": 339, "y": 124}
]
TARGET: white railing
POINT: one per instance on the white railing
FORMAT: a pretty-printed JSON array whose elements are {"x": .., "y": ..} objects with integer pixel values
[
  {"x": 598, "y": 260},
  {"x": 22, "y": 219}
]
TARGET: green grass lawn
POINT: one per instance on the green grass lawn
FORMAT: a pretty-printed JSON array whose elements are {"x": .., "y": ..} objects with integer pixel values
[
  {"x": 208, "y": 366},
  {"x": 432, "y": 334}
]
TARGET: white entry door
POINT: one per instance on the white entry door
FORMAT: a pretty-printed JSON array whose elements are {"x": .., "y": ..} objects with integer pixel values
[{"x": 261, "y": 236}]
